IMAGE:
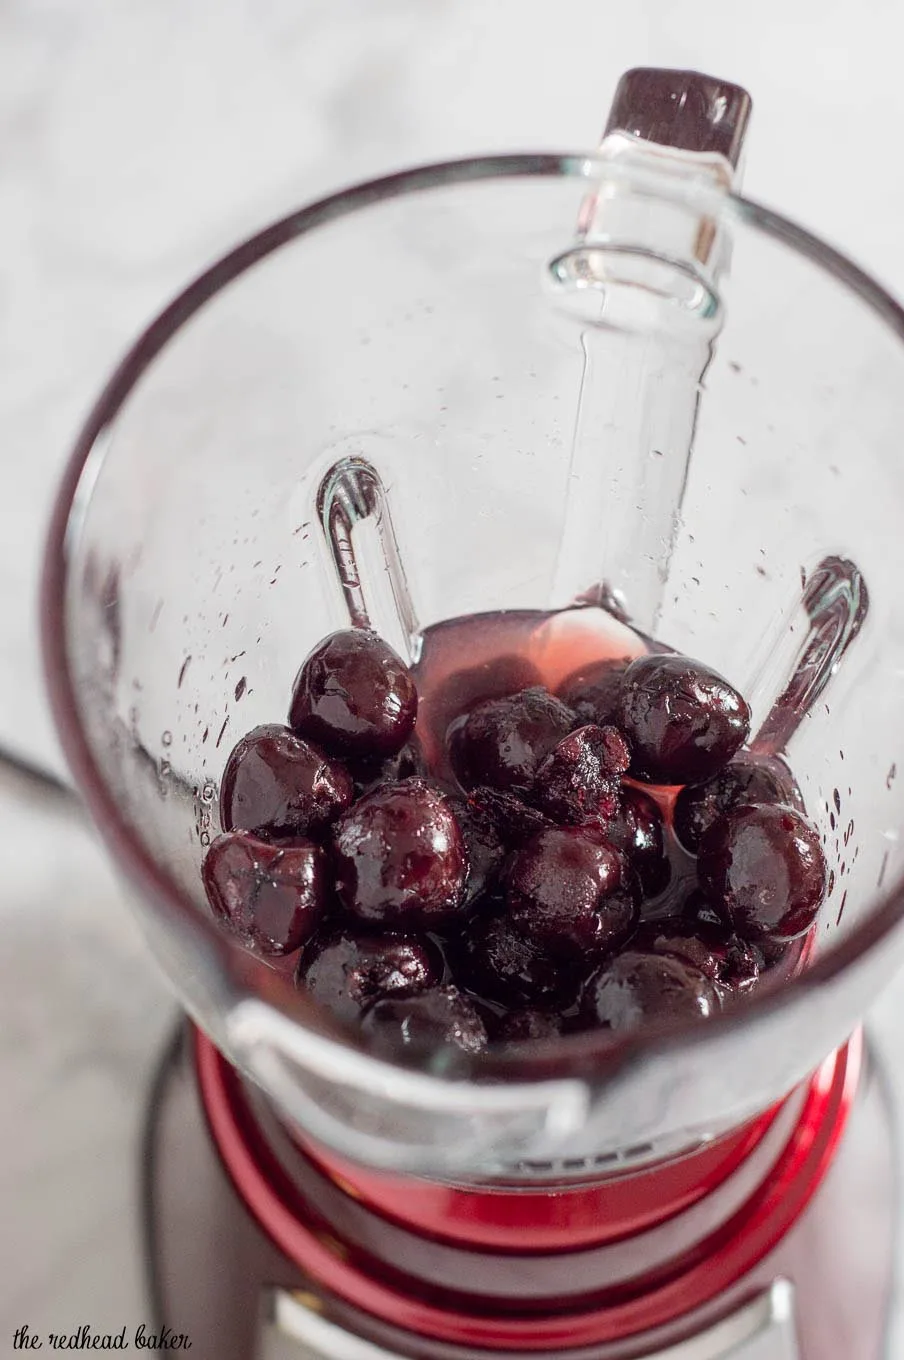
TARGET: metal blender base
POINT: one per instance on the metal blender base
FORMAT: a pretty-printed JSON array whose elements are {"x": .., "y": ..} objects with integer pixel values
[{"x": 216, "y": 1276}]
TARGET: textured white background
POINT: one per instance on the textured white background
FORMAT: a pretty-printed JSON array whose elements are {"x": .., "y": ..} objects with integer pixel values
[{"x": 139, "y": 139}]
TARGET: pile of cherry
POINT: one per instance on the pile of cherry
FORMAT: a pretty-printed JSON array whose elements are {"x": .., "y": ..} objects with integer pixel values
[{"x": 532, "y": 886}]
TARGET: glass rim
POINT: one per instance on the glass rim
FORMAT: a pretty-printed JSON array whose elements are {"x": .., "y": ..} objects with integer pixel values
[{"x": 129, "y": 852}]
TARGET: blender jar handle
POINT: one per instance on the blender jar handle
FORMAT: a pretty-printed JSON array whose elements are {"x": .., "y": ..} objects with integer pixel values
[{"x": 396, "y": 1118}]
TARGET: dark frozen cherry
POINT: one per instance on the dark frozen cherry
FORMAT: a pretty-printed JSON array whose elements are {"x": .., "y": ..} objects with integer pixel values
[
  {"x": 775, "y": 952},
  {"x": 346, "y": 972},
  {"x": 636, "y": 988},
  {"x": 281, "y": 785},
  {"x": 404, "y": 764},
  {"x": 765, "y": 865},
  {"x": 495, "y": 679},
  {"x": 521, "y": 1025},
  {"x": 565, "y": 894},
  {"x": 500, "y": 964},
  {"x": 682, "y": 720},
  {"x": 677, "y": 937},
  {"x": 354, "y": 696},
  {"x": 703, "y": 916},
  {"x": 740, "y": 963},
  {"x": 592, "y": 693},
  {"x": 399, "y": 857},
  {"x": 272, "y": 896},
  {"x": 515, "y": 822},
  {"x": 741, "y": 966},
  {"x": 581, "y": 775},
  {"x": 485, "y": 847},
  {"x": 746, "y": 779},
  {"x": 439, "y": 1015},
  {"x": 501, "y": 742},
  {"x": 637, "y": 831}
]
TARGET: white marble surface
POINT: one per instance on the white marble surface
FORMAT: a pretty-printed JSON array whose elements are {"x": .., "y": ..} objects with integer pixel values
[{"x": 142, "y": 138}]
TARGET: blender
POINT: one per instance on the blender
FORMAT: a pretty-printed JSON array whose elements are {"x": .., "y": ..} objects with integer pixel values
[{"x": 572, "y": 393}]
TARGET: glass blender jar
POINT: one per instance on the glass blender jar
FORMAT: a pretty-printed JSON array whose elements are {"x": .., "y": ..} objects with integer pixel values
[{"x": 585, "y": 392}]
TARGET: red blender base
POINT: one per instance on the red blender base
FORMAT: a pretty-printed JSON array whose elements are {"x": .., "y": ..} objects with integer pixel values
[{"x": 754, "y": 1247}]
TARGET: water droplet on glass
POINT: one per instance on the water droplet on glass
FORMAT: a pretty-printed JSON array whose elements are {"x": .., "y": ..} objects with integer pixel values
[
  {"x": 167, "y": 738},
  {"x": 841, "y": 910}
]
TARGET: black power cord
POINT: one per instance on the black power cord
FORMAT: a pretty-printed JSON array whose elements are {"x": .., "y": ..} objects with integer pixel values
[
  {"x": 148, "y": 1163},
  {"x": 37, "y": 774}
]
